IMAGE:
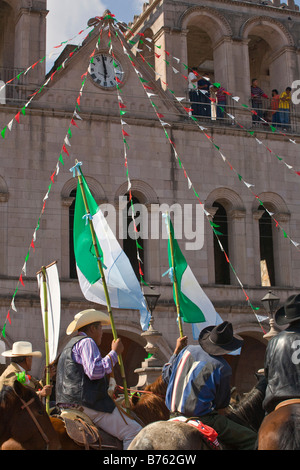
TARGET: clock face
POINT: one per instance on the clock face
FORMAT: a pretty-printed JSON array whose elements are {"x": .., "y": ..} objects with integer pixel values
[{"x": 104, "y": 71}]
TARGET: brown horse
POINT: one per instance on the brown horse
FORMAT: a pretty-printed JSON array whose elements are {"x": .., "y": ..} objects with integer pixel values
[
  {"x": 149, "y": 404},
  {"x": 280, "y": 430},
  {"x": 24, "y": 422}
]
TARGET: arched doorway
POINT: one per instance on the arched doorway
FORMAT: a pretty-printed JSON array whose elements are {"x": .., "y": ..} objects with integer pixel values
[
  {"x": 133, "y": 355},
  {"x": 245, "y": 366}
]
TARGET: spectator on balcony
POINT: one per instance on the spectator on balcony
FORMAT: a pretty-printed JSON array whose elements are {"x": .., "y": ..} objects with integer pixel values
[
  {"x": 275, "y": 106},
  {"x": 256, "y": 97},
  {"x": 193, "y": 91},
  {"x": 204, "y": 96},
  {"x": 221, "y": 101},
  {"x": 284, "y": 108}
]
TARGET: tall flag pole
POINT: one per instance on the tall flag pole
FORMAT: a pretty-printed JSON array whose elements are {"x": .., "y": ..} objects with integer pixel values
[
  {"x": 48, "y": 282},
  {"x": 103, "y": 279},
  {"x": 173, "y": 274}
]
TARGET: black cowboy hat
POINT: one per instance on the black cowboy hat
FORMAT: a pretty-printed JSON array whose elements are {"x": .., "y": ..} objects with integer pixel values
[
  {"x": 289, "y": 312},
  {"x": 219, "y": 340}
]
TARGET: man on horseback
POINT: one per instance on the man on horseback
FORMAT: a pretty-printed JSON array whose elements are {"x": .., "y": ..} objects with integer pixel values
[
  {"x": 198, "y": 379},
  {"x": 82, "y": 372},
  {"x": 21, "y": 356},
  {"x": 282, "y": 358}
]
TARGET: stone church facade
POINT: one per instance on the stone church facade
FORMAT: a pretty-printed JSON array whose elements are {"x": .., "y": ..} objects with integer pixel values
[{"x": 230, "y": 42}]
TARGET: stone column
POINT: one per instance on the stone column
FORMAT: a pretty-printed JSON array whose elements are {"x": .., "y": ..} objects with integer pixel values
[{"x": 151, "y": 367}]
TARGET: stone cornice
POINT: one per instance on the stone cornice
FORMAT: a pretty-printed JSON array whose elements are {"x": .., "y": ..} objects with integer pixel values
[{"x": 137, "y": 23}]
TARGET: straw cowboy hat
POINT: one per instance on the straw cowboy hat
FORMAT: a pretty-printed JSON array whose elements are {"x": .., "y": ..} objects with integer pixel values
[
  {"x": 290, "y": 311},
  {"x": 219, "y": 340},
  {"x": 85, "y": 318},
  {"x": 21, "y": 348}
]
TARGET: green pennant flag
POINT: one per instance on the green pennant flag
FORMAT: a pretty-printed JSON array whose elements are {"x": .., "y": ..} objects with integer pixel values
[{"x": 195, "y": 306}]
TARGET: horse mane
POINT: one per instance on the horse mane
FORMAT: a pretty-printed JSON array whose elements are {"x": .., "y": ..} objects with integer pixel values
[
  {"x": 249, "y": 411},
  {"x": 150, "y": 405},
  {"x": 289, "y": 435},
  {"x": 159, "y": 387}
]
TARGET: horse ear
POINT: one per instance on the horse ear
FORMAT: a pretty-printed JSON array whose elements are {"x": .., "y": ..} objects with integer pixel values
[{"x": 135, "y": 398}]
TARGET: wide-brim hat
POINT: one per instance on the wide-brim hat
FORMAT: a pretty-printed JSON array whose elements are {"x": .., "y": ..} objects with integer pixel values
[
  {"x": 85, "y": 318},
  {"x": 219, "y": 340},
  {"x": 20, "y": 349},
  {"x": 289, "y": 312}
]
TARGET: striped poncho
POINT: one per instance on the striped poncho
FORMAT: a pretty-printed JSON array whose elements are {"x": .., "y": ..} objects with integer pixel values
[{"x": 197, "y": 382}]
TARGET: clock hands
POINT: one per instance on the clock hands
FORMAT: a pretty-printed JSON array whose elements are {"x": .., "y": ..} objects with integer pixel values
[{"x": 104, "y": 67}]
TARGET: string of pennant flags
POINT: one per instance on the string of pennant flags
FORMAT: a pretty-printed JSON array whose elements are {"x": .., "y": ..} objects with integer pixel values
[
  {"x": 65, "y": 149},
  {"x": 188, "y": 111},
  {"x": 122, "y": 108},
  {"x": 217, "y": 85},
  {"x": 40, "y": 61},
  {"x": 214, "y": 226}
]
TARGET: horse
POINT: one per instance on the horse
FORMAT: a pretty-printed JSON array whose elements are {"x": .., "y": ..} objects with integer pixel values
[
  {"x": 149, "y": 404},
  {"x": 168, "y": 435},
  {"x": 280, "y": 429},
  {"x": 24, "y": 422}
]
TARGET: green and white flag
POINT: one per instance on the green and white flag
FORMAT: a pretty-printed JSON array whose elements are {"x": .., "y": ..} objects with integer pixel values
[
  {"x": 195, "y": 306},
  {"x": 123, "y": 287}
]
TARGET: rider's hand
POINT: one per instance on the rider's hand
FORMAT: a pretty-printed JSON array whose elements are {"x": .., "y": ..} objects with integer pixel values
[
  {"x": 46, "y": 391},
  {"x": 117, "y": 346},
  {"x": 180, "y": 344}
]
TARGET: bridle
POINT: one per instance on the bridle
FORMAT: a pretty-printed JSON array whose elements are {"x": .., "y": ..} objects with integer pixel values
[{"x": 26, "y": 405}]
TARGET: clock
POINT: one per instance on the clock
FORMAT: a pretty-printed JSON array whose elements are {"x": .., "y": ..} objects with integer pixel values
[{"x": 104, "y": 71}]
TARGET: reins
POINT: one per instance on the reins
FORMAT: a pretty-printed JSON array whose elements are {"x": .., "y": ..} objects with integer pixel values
[
  {"x": 26, "y": 405},
  {"x": 119, "y": 388}
]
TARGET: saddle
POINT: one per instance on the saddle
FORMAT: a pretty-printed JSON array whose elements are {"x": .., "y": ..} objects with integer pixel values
[{"x": 83, "y": 431}]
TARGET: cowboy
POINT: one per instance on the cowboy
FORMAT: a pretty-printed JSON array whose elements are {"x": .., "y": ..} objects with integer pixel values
[
  {"x": 21, "y": 356},
  {"x": 82, "y": 376},
  {"x": 198, "y": 379},
  {"x": 282, "y": 358}
]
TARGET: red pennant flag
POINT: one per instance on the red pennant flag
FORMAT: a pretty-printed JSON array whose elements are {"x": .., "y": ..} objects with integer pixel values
[
  {"x": 21, "y": 280},
  {"x": 141, "y": 272},
  {"x": 78, "y": 100},
  {"x": 122, "y": 106},
  {"x": 8, "y": 317},
  {"x": 125, "y": 133},
  {"x": 73, "y": 122},
  {"x": 17, "y": 117},
  {"x": 32, "y": 244},
  {"x": 52, "y": 177},
  {"x": 65, "y": 150}
]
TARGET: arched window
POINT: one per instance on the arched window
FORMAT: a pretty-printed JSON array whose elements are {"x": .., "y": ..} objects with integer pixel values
[
  {"x": 266, "y": 243},
  {"x": 222, "y": 273},
  {"x": 129, "y": 242},
  {"x": 72, "y": 262}
]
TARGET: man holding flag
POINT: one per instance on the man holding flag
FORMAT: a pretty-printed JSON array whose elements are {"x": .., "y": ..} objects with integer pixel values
[{"x": 198, "y": 379}]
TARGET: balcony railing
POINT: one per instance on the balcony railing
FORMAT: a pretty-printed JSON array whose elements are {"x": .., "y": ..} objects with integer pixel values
[{"x": 246, "y": 116}]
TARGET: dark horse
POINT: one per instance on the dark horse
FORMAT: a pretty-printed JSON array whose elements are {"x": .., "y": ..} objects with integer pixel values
[
  {"x": 24, "y": 422},
  {"x": 280, "y": 430}
]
